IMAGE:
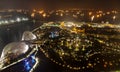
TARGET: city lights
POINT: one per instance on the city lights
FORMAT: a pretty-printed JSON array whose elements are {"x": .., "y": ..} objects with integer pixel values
[{"x": 60, "y": 39}]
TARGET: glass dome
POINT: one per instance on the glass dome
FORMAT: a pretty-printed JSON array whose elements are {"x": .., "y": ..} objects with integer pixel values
[
  {"x": 15, "y": 49},
  {"x": 27, "y": 35}
]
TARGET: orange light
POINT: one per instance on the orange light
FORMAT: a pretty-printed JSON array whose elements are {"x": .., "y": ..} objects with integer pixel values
[
  {"x": 42, "y": 11},
  {"x": 33, "y": 14},
  {"x": 34, "y": 10},
  {"x": 114, "y": 17},
  {"x": 44, "y": 15},
  {"x": 92, "y": 18},
  {"x": 61, "y": 14},
  {"x": 105, "y": 65},
  {"x": 98, "y": 16},
  {"x": 90, "y": 13}
]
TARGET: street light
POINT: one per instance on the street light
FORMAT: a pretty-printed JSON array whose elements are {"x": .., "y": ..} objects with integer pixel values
[
  {"x": 114, "y": 17},
  {"x": 92, "y": 18}
]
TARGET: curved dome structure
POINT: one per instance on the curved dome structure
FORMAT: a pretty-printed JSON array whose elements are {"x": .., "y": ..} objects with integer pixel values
[
  {"x": 18, "y": 53},
  {"x": 15, "y": 49},
  {"x": 27, "y": 35}
]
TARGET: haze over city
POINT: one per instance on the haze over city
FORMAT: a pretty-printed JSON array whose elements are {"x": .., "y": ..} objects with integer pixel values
[{"x": 60, "y": 4}]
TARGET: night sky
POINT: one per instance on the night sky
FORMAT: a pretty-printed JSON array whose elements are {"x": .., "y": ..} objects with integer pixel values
[{"x": 60, "y": 4}]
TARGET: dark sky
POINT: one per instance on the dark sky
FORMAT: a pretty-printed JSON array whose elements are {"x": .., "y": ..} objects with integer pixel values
[{"x": 55, "y": 4}]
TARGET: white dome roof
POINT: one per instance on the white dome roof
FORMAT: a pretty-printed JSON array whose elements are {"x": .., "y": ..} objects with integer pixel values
[
  {"x": 15, "y": 49},
  {"x": 27, "y": 35}
]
